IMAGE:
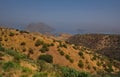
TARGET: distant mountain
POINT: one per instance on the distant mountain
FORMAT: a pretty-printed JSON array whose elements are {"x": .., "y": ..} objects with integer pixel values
[
  {"x": 39, "y": 27},
  {"x": 106, "y": 44}
]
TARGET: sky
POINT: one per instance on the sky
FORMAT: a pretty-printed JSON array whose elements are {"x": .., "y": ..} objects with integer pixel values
[{"x": 87, "y": 16}]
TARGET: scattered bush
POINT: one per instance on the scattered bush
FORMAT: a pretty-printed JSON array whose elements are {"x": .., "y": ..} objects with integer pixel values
[
  {"x": 61, "y": 52},
  {"x": 98, "y": 63},
  {"x": 24, "y": 32},
  {"x": 75, "y": 47},
  {"x": 109, "y": 69},
  {"x": 81, "y": 54},
  {"x": 52, "y": 44},
  {"x": 34, "y": 38},
  {"x": 30, "y": 50},
  {"x": 68, "y": 58},
  {"x": 69, "y": 72},
  {"x": 6, "y": 39},
  {"x": 0, "y": 38},
  {"x": 44, "y": 48},
  {"x": 26, "y": 70},
  {"x": 10, "y": 65},
  {"x": 94, "y": 57},
  {"x": 17, "y": 56},
  {"x": 24, "y": 49},
  {"x": 22, "y": 43},
  {"x": 94, "y": 67},
  {"x": 38, "y": 42},
  {"x": 47, "y": 58},
  {"x": 64, "y": 45},
  {"x": 11, "y": 34},
  {"x": 80, "y": 64},
  {"x": 40, "y": 74},
  {"x": 2, "y": 48}
]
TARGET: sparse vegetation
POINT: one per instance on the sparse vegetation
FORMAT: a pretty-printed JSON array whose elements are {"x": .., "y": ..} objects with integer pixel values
[
  {"x": 47, "y": 58},
  {"x": 24, "y": 49},
  {"x": 11, "y": 34},
  {"x": 10, "y": 65},
  {"x": 0, "y": 38},
  {"x": 68, "y": 72},
  {"x": 61, "y": 52},
  {"x": 69, "y": 58},
  {"x": 44, "y": 48},
  {"x": 52, "y": 44},
  {"x": 22, "y": 43},
  {"x": 2, "y": 48},
  {"x": 30, "y": 51},
  {"x": 80, "y": 64},
  {"x": 38, "y": 42}
]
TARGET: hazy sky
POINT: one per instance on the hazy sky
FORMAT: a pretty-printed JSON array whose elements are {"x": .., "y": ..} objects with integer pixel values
[{"x": 64, "y": 15}]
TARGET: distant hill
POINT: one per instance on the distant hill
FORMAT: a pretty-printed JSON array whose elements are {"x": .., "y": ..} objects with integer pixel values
[
  {"x": 106, "y": 44},
  {"x": 39, "y": 27}
]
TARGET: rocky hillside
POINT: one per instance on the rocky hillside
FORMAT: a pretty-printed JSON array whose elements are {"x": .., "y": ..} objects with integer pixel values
[
  {"x": 37, "y": 47},
  {"x": 105, "y": 44}
]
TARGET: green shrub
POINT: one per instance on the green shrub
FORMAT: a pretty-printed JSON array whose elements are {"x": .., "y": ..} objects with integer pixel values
[
  {"x": 0, "y": 38},
  {"x": 44, "y": 48},
  {"x": 80, "y": 53},
  {"x": 2, "y": 48},
  {"x": 24, "y": 49},
  {"x": 67, "y": 56},
  {"x": 1, "y": 54},
  {"x": 22, "y": 31},
  {"x": 75, "y": 47},
  {"x": 17, "y": 56},
  {"x": 30, "y": 50},
  {"x": 71, "y": 60},
  {"x": 80, "y": 64},
  {"x": 6, "y": 39},
  {"x": 94, "y": 67},
  {"x": 94, "y": 57},
  {"x": 98, "y": 63},
  {"x": 64, "y": 45},
  {"x": 61, "y": 52},
  {"x": 22, "y": 43},
  {"x": 40, "y": 74},
  {"x": 34, "y": 38},
  {"x": 109, "y": 69},
  {"x": 11, "y": 34},
  {"x": 52, "y": 44},
  {"x": 47, "y": 58},
  {"x": 10, "y": 65},
  {"x": 69, "y": 72},
  {"x": 38, "y": 42},
  {"x": 26, "y": 70}
]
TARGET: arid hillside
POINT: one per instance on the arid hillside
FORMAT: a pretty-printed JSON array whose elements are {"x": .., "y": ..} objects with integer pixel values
[
  {"x": 106, "y": 44},
  {"x": 40, "y": 47}
]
